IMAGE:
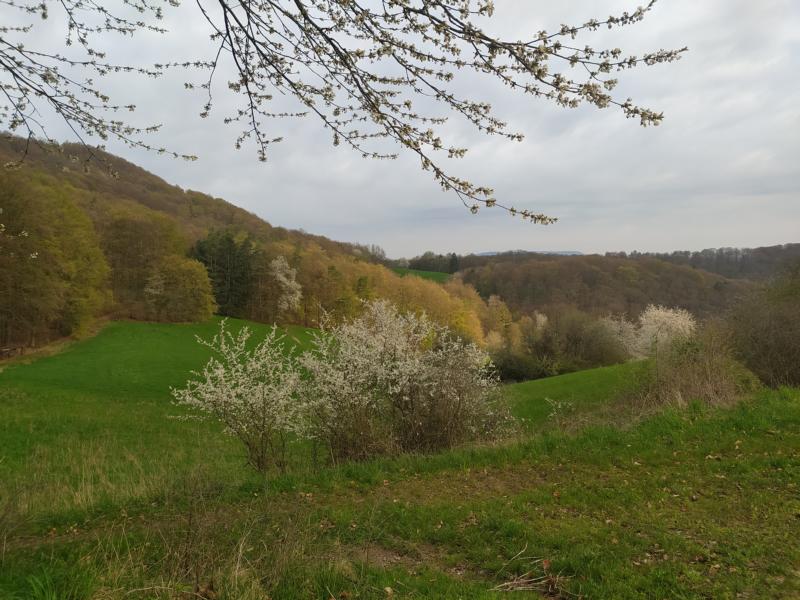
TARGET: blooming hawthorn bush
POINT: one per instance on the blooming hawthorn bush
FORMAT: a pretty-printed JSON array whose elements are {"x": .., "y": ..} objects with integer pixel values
[
  {"x": 387, "y": 382},
  {"x": 700, "y": 367},
  {"x": 253, "y": 392},
  {"x": 291, "y": 292},
  {"x": 455, "y": 398},
  {"x": 686, "y": 364}
]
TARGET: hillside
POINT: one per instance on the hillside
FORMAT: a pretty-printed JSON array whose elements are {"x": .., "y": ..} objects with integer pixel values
[
  {"x": 107, "y": 490},
  {"x": 113, "y": 183},
  {"x": 614, "y": 283},
  {"x": 599, "y": 284},
  {"x": 137, "y": 247},
  {"x": 437, "y": 276},
  {"x": 111, "y": 240}
]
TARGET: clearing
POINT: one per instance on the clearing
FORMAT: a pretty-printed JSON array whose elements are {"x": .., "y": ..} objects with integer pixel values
[{"x": 436, "y": 276}]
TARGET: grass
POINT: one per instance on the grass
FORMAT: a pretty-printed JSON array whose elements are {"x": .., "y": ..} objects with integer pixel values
[
  {"x": 570, "y": 398},
  {"x": 88, "y": 430},
  {"x": 436, "y": 276},
  {"x": 104, "y": 495}
]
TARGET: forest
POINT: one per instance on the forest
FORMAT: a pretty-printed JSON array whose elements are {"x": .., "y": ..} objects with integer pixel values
[{"x": 138, "y": 248}]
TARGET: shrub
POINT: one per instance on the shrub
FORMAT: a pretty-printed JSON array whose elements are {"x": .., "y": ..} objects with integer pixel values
[
  {"x": 387, "y": 382},
  {"x": 382, "y": 383},
  {"x": 600, "y": 346},
  {"x": 766, "y": 331},
  {"x": 573, "y": 340},
  {"x": 520, "y": 365},
  {"x": 697, "y": 368},
  {"x": 626, "y": 333},
  {"x": 454, "y": 400},
  {"x": 253, "y": 392},
  {"x": 658, "y": 328}
]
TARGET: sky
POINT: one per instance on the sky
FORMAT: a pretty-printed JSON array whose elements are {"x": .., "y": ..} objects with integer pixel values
[{"x": 723, "y": 169}]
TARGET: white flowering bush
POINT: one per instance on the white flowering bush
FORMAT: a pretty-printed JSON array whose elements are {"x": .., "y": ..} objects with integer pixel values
[
  {"x": 291, "y": 292},
  {"x": 685, "y": 364},
  {"x": 626, "y": 332},
  {"x": 382, "y": 383},
  {"x": 700, "y": 367},
  {"x": 457, "y": 398},
  {"x": 388, "y": 382},
  {"x": 660, "y": 327},
  {"x": 252, "y": 391},
  {"x": 657, "y": 330}
]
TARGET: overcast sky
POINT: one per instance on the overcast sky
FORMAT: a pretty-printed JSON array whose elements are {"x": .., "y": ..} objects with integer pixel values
[{"x": 722, "y": 170}]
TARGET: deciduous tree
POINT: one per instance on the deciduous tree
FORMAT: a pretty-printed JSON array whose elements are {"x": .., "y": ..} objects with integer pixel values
[
  {"x": 179, "y": 291},
  {"x": 53, "y": 275}
]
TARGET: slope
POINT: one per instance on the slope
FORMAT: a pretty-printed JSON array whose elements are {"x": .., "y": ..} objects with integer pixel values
[{"x": 114, "y": 498}]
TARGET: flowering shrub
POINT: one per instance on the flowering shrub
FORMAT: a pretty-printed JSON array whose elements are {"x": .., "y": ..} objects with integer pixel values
[
  {"x": 384, "y": 382},
  {"x": 253, "y": 392},
  {"x": 684, "y": 364},
  {"x": 658, "y": 329},
  {"x": 387, "y": 382},
  {"x": 291, "y": 292},
  {"x": 626, "y": 332}
]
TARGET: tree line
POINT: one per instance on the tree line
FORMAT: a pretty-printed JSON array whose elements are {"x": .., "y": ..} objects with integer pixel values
[
  {"x": 739, "y": 263},
  {"x": 733, "y": 263}
]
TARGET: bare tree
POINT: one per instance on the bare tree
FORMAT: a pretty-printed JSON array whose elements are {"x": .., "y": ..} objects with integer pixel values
[{"x": 362, "y": 67}]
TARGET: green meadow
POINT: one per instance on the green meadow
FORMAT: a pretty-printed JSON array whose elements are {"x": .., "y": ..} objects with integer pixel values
[
  {"x": 108, "y": 490},
  {"x": 436, "y": 276}
]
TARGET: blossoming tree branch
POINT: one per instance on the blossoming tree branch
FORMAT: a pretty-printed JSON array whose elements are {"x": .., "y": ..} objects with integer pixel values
[{"x": 368, "y": 70}]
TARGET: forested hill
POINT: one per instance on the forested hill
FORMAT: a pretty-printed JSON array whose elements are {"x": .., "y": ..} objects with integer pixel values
[
  {"x": 114, "y": 183},
  {"x": 77, "y": 243},
  {"x": 601, "y": 284},
  {"x": 740, "y": 263}
]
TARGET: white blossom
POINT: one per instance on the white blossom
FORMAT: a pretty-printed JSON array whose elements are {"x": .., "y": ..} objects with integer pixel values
[
  {"x": 291, "y": 292},
  {"x": 660, "y": 326},
  {"x": 253, "y": 392},
  {"x": 387, "y": 381},
  {"x": 657, "y": 328},
  {"x": 384, "y": 382}
]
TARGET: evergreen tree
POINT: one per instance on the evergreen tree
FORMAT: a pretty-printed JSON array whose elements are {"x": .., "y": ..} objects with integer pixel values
[{"x": 231, "y": 264}]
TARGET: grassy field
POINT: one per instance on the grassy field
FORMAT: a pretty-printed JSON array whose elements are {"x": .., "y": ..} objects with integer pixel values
[
  {"x": 436, "y": 276},
  {"x": 106, "y": 491}
]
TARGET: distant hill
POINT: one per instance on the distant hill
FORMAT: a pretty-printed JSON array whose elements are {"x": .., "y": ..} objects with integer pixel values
[
  {"x": 739, "y": 263},
  {"x": 548, "y": 252},
  {"x": 114, "y": 182}
]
